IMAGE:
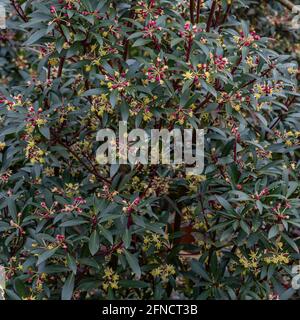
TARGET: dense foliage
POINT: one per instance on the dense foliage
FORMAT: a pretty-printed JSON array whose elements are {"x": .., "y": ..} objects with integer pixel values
[{"x": 73, "y": 229}]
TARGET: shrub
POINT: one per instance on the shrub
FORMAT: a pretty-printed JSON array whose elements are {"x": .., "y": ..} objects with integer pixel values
[{"x": 74, "y": 229}]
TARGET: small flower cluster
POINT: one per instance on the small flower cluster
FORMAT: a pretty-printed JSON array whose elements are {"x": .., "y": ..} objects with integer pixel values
[
  {"x": 277, "y": 256},
  {"x": 266, "y": 89},
  {"x": 252, "y": 62},
  {"x": 189, "y": 31},
  {"x": 264, "y": 192},
  {"x": 255, "y": 259},
  {"x": 157, "y": 72},
  {"x": 145, "y": 9},
  {"x": 142, "y": 107},
  {"x": 159, "y": 186},
  {"x": 46, "y": 212},
  {"x": 245, "y": 41},
  {"x": 181, "y": 115},
  {"x": 69, "y": 4},
  {"x": 15, "y": 101},
  {"x": 21, "y": 62},
  {"x": 290, "y": 138},
  {"x": 194, "y": 182},
  {"x": 150, "y": 29},
  {"x": 220, "y": 62},
  {"x": 34, "y": 153},
  {"x": 101, "y": 105},
  {"x": 111, "y": 279},
  {"x": 138, "y": 184},
  {"x": 4, "y": 176},
  {"x": 117, "y": 82},
  {"x": 131, "y": 206},
  {"x": 277, "y": 259},
  {"x": 250, "y": 263},
  {"x": 108, "y": 194},
  {"x": 75, "y": 206},
  {"x": 280, "y": 210},
  {"x": 34, "y": 119},
  {"x": 164, "y": 272},
  {"x": 61, "y": 241},
  {"x": 152, "y": 239},
  {"x": 202, "y": 71}
]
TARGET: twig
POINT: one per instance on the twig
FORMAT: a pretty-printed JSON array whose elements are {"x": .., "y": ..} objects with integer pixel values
[
  {"x": 61, "y": 65},
  {"x": 280, "y": 117},
  {"x": 211, "y": 15},
  {"x": 19, "y": 10},
  {"x": 199, "y": 3},
  {"x": 91, "y": 170},
  {"x": 192, "y": 8},
  {"x": 225, "y": 16}
]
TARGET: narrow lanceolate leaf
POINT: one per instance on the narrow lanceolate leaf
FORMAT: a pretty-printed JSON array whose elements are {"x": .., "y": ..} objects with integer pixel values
[
  {"x": 94, "y": 242},
  {"x": 68, "y": 287},
  {"x": 72, "y": 263},
  {"x": 36, "y": 36},
  {"x": 46, "y": 255},
  {"x": 291, "y": 242},
  {"x": 274, "y": 230},
  {"x": 133, "y": 263}
]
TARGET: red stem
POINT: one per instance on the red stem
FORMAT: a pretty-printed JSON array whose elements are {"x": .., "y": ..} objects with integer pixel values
[
  {"x": 198, "y": 11},
  {"x": 192, "y": 8},
  {"x": 189, "y": 47},
  {"x": 211, "y": 15},
  {"x": 19, "y": 10},
  {"x": 234, "y": 150}
]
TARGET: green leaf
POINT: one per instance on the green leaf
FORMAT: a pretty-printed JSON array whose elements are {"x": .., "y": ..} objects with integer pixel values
[
  {"x": 291, "y": 242},
  {"x": 126, "y": 238},
  {"x": 141, "y": 42},
  {"x": 245, "y": 227},
  {"x": 134, "y": 284},
  {"x": 273, "y": 232},
  {"x": 107, "y": 235},
  {"x": 225, "y": 204},
  {"x": 292, "y": 188},
  {"x": 45, "y": 131},
  {"x": 46, "y": 255},
  {"x": 67, "y": 290},
  {"x": 12, "y": 209},
  {"x": 94, "y": 242},
  {"x": 72, "y": 223},
  {"x": 133, "y": 263},
  {"x": 72, "y": 263},
  {"x": 197, "y": 268},
  {"x": 35, "y": 37}
]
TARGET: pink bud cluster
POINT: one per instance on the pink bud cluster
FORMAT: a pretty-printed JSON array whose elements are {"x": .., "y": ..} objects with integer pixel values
[
  {"x": 264, "y": 192},
  {"x": 145, "y": 9},
  {"x": 52, "y": 10},
  {"x": 132, "y": 206},
  {"x": 220, "y": 62},
  {"x": 150, "y": 29},
  {"x": 235, "y": 131},
  {"x": 75, "y": 206},
  {"x": 70, "y": 6},
  {"x": 247, "y": 41},
  {"x": 190, "y": 30},
  {"x": 279, "y": 210},
  {"x": 60, "y": 239},
  {"x": 156, "y": 73}
]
